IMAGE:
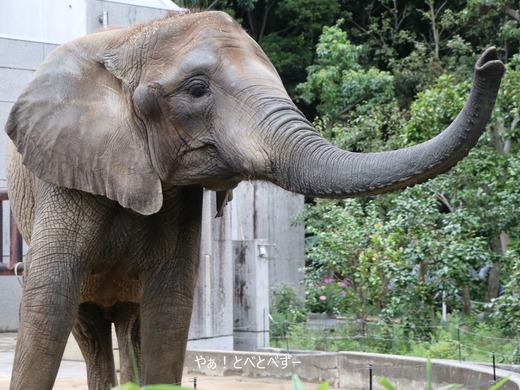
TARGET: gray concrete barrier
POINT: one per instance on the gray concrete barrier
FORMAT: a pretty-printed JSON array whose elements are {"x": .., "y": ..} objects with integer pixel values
[{"x": 349, "y": 370}]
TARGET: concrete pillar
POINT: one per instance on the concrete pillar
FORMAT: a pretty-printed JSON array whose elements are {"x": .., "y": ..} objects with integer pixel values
[
  {"x": 251, "y": 299},
  {"x": 212, "y": 318},
  {"x": 263, "y": 210}
]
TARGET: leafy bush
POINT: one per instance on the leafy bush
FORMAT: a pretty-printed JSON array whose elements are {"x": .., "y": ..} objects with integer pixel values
[
  {"x": 504, "y": 309},
  {"x": 287, "y": 309},
  {"x": 331, "y": 296},
  {"x": 479, "y": 338}
]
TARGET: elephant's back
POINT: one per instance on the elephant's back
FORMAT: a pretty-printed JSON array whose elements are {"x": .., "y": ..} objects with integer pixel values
[{"x": 20, "y": 187}]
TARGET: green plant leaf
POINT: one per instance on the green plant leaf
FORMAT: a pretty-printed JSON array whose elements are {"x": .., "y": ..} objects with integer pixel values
[
  {"x": 296, "y": 383},
  {"x": 386, "y": 384},
  {"x": 499, "y": 384},
  {"x": 133, "y": 359},
  {"x": 323, "y": 386},
  {"x": 164, "y": 387}
]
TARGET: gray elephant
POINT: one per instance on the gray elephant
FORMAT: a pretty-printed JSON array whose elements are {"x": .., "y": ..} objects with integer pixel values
[{"x": 113, "y": 142}]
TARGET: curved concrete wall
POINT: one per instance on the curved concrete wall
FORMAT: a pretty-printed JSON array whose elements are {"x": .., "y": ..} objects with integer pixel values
[{"x": 348, "y": 370}]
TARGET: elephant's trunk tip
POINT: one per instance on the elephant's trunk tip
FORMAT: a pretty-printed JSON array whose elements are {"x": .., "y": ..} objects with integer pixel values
[{"x": 489, "y": 65}]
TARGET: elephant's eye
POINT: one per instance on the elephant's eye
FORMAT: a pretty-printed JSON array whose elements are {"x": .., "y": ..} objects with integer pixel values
[{"x": 197, "y": 88}]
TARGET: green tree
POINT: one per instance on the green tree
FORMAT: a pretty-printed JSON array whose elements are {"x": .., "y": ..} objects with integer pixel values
[
  {"x": 345, "y": 92},
  {"x": 406, "y": 253}
]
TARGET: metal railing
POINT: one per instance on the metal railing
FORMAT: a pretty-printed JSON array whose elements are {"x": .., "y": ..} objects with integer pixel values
[{"x": 15, "y": 264}]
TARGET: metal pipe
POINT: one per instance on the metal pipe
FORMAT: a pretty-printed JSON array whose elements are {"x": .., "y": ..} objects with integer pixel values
[
  {"x": 15, "y": 265},
  {"x": 103, "y": 19},
  {"x": 16, "y": 270},
  {"x": 1, "y": 232},
  {"x": 16, "y": 252},
  {"x": 3, "y": 196}
]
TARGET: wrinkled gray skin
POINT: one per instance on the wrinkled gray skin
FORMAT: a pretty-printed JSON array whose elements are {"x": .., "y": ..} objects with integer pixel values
[{"x": 113, "y": 142}]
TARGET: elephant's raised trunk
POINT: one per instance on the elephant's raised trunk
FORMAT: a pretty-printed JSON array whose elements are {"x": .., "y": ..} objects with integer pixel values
[{"x": 317, "y": 168}]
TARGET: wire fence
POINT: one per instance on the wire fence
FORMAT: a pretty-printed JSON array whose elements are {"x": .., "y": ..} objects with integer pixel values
[
  {"x": 446, "y": 340},
  {"x": 211, "y": 382}
]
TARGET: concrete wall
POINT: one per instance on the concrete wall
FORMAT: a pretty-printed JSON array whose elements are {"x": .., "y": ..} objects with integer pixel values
[
  {"x": 123, "y": 13},
  {"x": 37, "y": 20},
  {"x": 212, "y": 319},
  {"x": 258, "y": 219},
  {"x": 251, "y": 295},
  {"x": 18, "y": 62},
  {"x": 10, "y": 295},
  {"x": 345, "y": 369},
  {"x": 261, "y": 210}
]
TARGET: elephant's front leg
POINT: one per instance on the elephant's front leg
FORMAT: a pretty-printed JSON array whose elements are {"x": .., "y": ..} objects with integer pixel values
[
  {"x": 165, "y": 320},
  {"x": 63, "y": 239},
  {"x": 169, "y": 286},
  {"x": 48, "y": 311}
]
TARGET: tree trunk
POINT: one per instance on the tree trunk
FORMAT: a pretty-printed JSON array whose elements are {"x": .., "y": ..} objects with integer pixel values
[
  {"x": 499, "y": 247},
  {"x": 503, "y": 147},
  {"x": 466, "y": 300}
]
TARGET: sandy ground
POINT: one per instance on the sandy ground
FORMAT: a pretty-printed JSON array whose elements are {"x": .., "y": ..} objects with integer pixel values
[
  {"x": 203, "y": 383},
  {"x": 72, "y": 375}
]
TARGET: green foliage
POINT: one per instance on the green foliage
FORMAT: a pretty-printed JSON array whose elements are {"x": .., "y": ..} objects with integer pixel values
[
  {"x": 287, "y": 310},
  {"x": 288, "y": 55},
  {"x": 400, "y": 265},
  {"x": 338, "y": 81},
  {"x": 286, "y": 300},
  {"x": 331, "y": 296},
  {"x": 386, "y": 384},
  {"x": 345, "y": 272},
  {"x": 477, "y": 339},
  {"x": 298, "y": 385},
  {"x": 504, "y": 309},
  {"x": 434, "y": 109},
  {"x": 442, "y": 345},
  {"x": 499, "y": 384},
  {"x": 401, "y": 37}
]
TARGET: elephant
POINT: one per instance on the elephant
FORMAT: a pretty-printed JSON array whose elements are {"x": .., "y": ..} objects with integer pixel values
[{"x": 111, "y": 146}]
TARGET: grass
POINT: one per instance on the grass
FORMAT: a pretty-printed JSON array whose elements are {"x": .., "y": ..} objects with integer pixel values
[{"x": 473, "y": 341}]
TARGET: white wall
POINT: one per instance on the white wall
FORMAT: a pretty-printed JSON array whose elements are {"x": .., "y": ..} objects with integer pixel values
[
  {"x": 43, "y": 20},
  {"x": 59, "y": 21}
]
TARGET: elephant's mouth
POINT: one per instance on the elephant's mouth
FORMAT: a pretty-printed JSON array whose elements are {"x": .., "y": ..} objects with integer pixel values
[{"x": 221, "y": 184}]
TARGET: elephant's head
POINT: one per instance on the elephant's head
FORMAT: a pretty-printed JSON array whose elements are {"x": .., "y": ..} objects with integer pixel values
[{"x": 192, "y": 99}]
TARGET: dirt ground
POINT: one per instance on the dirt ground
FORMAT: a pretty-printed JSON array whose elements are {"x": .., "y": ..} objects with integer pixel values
[
  {"x": 203, "y": 383},
  {"x": 72, "y": 375}
]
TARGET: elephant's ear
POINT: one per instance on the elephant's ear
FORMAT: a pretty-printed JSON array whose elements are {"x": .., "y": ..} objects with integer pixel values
[{"x": 75, "y": 127}]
